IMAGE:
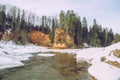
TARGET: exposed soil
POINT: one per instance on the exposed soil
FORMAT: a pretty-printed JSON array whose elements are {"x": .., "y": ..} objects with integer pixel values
[{"x": 114, "y": 63}]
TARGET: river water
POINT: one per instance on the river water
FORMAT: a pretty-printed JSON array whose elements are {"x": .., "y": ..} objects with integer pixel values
[{"x": 40, "y": 68}]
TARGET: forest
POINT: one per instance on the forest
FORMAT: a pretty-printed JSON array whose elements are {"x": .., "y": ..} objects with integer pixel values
[{"x": 22, "y": 22}]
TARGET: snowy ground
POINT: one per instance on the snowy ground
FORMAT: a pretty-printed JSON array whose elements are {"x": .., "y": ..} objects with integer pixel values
[{"x": 11, "y": 55}]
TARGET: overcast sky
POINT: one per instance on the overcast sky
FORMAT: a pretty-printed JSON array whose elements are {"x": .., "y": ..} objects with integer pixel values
[{"x": 106, "y": 12}]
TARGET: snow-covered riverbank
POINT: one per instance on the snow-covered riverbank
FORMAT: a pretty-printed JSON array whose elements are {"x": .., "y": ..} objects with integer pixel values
[{"x": 11, "y": 55}]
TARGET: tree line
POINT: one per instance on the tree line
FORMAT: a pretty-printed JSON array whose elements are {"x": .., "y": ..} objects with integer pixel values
[
  {"x": 22, "y": 22},
  {"x": 94, "y": 35}
]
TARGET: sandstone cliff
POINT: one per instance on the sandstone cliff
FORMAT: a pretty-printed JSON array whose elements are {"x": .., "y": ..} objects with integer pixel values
[
  {"x": 62, "y": 40},
  {"x": 39, "y": 38}
]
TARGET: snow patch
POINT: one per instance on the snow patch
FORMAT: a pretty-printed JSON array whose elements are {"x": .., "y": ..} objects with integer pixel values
[
  {"x": 104, "y": 71},
  {"x": 11, "y": 54},
  {"x": 9, "y": 63},
  {"x": 46, "y": 55}
]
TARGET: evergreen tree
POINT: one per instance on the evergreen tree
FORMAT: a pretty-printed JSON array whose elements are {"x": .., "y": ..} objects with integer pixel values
[
  {"x": 23, "y": 23},
  {"x": 110, "y": 37},
  {"x": 43, "y": 23},
  {"x": 52, "y": 31},
  {"x": 84, "y": 31},
  {"x": 96, "y": 33},
  {"x": 2, "y": 21},
  {"x": 62, "y": 18},
  {"x": 78, "y": 32},
  {"x": 116, "y": 38},
  {"x": 70, "y": 19},
  {"x": 104, "y": 38},
  {"x": 91, "y": 37}
]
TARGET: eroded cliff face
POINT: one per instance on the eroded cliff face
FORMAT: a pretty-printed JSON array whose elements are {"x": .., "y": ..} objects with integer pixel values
[
  {"x": 39, "y": 38},
  {"x": 62, "y": 40}
]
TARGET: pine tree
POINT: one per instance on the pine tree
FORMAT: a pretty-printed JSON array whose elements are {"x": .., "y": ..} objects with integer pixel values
[
  {"x": 23, "y": 23},
  {"x": 43, "y": 23},
  {"x": 62, "y": 18},
  {"x": 110, "y": 37},
  {"x": 2, "y": 21},
  {"x": 104, "y": 38},
  {"x": 91, "y": 36},
  {"x": 84, "y": 31},
  {"x": 96, "y": 33},
  {"x": 70, "y": 19},
  {"x": 52, "y": 31},
  {"x": 78, "y": 32},
  {"x": 116, "y": 38}
]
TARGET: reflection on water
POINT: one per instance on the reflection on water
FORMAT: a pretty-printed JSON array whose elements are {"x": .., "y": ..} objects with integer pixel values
[{"x": 40, "y": 68}]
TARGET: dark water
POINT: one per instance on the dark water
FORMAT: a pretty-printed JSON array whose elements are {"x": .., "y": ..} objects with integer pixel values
[{"x": 40, "y": 68}]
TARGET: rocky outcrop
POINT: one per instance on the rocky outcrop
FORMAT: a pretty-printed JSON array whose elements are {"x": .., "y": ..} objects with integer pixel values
[
  {"x": 62, "y": 40},
  {"x": 116, "y": 53},
  {"x": 39, "y": 38},
  {"x": 6, "y": 36}
]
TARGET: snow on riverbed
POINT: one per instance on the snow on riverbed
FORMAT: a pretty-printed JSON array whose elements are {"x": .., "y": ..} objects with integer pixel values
[
  {"x": 11, "y": 55},
  {"x": 46, "y": 55},
  {"x": 6, "y": 62}
]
